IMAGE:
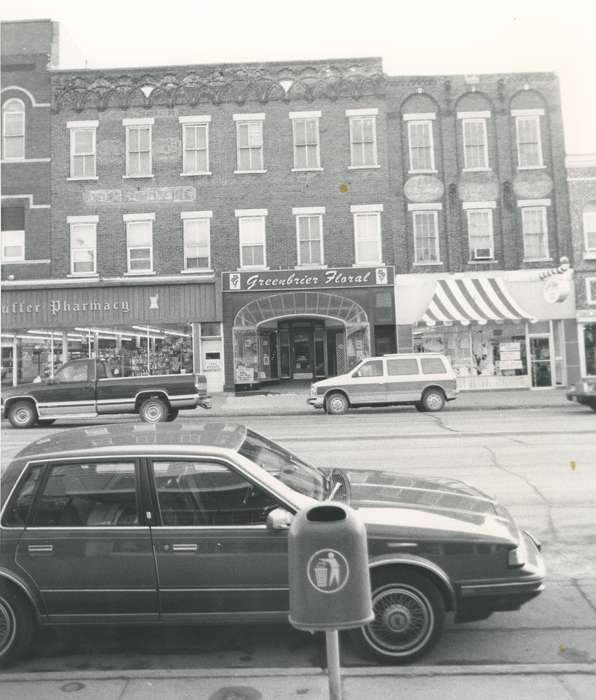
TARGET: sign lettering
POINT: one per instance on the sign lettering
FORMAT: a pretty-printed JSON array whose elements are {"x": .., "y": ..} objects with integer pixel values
[{"x": 308, "y": 279}]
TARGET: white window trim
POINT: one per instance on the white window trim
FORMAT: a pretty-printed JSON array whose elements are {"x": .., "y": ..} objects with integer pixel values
[
  {"x": 419, "y": 116},
  {"x": 91, "y": 124},
  {"x": 479, "y": 205},
  {"x": 321, "y": 247},
  {"x": 480, "y": 114},
  {"x": 132, "y": 123},
  {"x": 365, "y": 112},
  {"x": 589, "y": 252},
  {"x": 437, "y": 245},
  {"x": 263, "y": 216},
  {"x": 589, "y": 282},
  {"x": 240, "y": 119},
  {"x": 75, "y": 220},
  {"x": 139, "y": 121},
  {"x": 545, "y": 223},
  {"x": 432, "y": 168},
  {"x": 297, "y": 211},
  {"x": 535, "y": 112},
  {"x": 482, "y": 120},
  {"x": 529, "y": 113},
  {"x": 425, "y": 206},
  {"x": 306, "y": 115},
  {"x": 14, "y": 159},
  {"x": 365, "y": 208},
  {"x": 492, "y": 234},
  {"x": 254, "y": 116},
  {"x": 195, "y": 122},
  {"x": 362, "y": 209},
  {"x": 195, "y": 119},
  {"x": 135, "y": 218},
  {"x": 533, "y": 202},
  {"x": 207, "y": 214},
  {"x": 351, "y": 128},
  {"x": 192, "y": 216},
  {"x": 90, "y": 219},
  {"x": 139, "y": 217},
  {"x": 14, "y": 259}
]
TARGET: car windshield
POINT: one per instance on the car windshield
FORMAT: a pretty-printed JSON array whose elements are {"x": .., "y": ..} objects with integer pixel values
[{"x": 284, "y": 465}]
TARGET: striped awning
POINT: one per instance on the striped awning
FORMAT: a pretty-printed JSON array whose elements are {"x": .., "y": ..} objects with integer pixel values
[{"x": 468, "y": 300}]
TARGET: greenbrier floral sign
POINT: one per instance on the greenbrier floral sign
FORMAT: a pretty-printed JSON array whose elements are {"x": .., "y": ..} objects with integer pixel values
[{"x": 328, "y": 278}]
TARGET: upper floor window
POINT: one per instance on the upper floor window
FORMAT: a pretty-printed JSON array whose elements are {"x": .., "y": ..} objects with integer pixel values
[
  {"x": 589, "y": 221},
  {"x": 305, "y": 134},
  {"x": 535, "y": 232},
  {"x": 420, "y": 142},
  {"x": 480, "y": 233},
  {"x": 251, "y": 229},
  {"x": 13, "y": 234},
  {"x": 139, "y": 242},
  {"x": 83, "y": 147},
  {"x": 13, "y": 130},
  {"x": 426, "y": 236},
  {"x": 309, "y": 233},
  {"x": 83, "y": 244},
  {"x": 363, "y": 137},
  {"x": 528, "y": 137},
  {"x": 197, "y": 239},
  {"x": 195, "y": 144},
  {"x": 475, "y": 143},
  {"x": 591, "y": 299},
  {"x": 367, "y": 233},
  {"x": 249, "y": 142},
  {"x": 138, "y": 147}
]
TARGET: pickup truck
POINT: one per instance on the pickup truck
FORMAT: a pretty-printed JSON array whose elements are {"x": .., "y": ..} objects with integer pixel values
[{"x": 86, "y": 389}]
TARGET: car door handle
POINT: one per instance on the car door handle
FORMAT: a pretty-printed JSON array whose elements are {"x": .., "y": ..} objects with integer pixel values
[
  {"x": 40, "y": 548},
  {"x": 185, "y": 547}
]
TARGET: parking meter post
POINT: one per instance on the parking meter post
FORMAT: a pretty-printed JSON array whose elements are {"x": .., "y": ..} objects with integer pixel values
[{"x": 333, "y": 664}]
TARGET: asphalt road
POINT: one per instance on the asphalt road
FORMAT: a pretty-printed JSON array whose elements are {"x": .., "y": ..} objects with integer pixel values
[{"x": 541, "y": 463}]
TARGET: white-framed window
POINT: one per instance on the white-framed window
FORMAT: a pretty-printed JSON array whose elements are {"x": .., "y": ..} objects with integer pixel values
[
  {"x": 138, "y": 147},
  {"x": 426, "y": 236},
  {"x": 13, "y": 130},
  {"x": 480, "y": 233},
  {"x": 367, "y": 234},
  {"x": 528, "y": 138},
  {"x": 475, "y": 143},
  {"x": 251, "y": 234},
  {"x": 589, "y": 222},
  {"x": 305, "y": 138},
  {"x": 197, "y": 239},
  {"x": 363, "y": 137},
  {"x": 139, "y": 242},
  {"x": 309, "y": 235},
  {"x": 421, "y": 145},
  {"x": 195, "y": 144},
  {"x": 535, "y": 233},
  {"x": 13, "y": 246},
  {"x": 249, "y": 142},
  {"x": 591, "y": 290},
  {"x": 83, "y": 244},
  {"x": 83, "y": 149}
]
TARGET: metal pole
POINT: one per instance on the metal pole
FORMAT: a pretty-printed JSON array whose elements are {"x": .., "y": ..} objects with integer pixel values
[{"x": 333, "y": 671}]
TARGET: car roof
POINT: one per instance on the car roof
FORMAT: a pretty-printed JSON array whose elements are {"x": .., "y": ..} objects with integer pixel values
[
  {"x": 128, "y": 435},
  {"x": 414, "y": 354}
]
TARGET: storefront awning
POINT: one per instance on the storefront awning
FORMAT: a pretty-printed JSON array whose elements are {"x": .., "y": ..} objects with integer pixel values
[{"x": 472, "y": 300}]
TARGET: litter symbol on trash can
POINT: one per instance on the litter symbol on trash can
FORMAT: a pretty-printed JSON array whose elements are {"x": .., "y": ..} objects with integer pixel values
[{"x": 328, "y": 570}]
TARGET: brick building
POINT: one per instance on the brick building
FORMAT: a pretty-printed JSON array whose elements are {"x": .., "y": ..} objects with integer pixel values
[{"x": 249, "y": 221}]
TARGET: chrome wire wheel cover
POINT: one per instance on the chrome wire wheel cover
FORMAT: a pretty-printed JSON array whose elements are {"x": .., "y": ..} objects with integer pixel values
[
  {"x": 7, "y": 626},
  {"x": 434, "y": 401},
  {"x": 404, "y": 620}
]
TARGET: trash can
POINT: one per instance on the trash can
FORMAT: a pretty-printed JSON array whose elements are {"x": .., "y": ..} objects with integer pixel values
[{"x": 328, "y": 569}]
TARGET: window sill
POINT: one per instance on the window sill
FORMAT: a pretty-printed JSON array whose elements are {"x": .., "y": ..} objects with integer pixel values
[
  {"x": 141, "y": 273},
  {"x": 310, "y": 267},
  {"x": 83, "y": 275},
  {"x": 482, "y": 262},
  {"x": 363, "y": 167},
  {"x": 249, "y": 172},
  {"x": 251, "y": 268},
  {"x": 204, "y": 172},
  {"x": 423, "y": 172},
  {"x": 75, "y": 179},
  {"x": 435, "y": 263},
  {"x": 198, "y": 271},
  {"x": 306, "y": 170},
  {"x": 533, "y": 260},
  {"x": 378, "y": 263},
  {"x": 589, "y": 255},
  {"x": 136, "y": 177},
  {"x": 477, "y": 170},
  {"x": 531, "y": 167}
]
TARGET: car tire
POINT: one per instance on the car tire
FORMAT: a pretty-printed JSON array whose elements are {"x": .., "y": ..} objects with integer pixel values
[
  {"x": 17, "y": 624},
  {"x": 419, "y": 407},
  {"x": 336, "y": 403},
  {"x": 22, "y": 414},
  {"x": 153, "y": 410},
  {"x": 172, "y": 414},
  {"x": 409, "y": 617},
  {"x": 433, "y": 400},
  {"x": 43, "y": 422}
]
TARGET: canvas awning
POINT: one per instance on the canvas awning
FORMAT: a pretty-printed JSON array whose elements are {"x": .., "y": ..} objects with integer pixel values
[{"x": 472, "y": 300}]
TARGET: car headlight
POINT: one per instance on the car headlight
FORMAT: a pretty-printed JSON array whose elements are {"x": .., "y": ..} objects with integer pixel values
[{"x": 517, "y": 556}]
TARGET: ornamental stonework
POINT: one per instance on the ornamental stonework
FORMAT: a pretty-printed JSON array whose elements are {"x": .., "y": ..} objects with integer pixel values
[
  {"x": 424, "y": 188},
  {"x": 532, "y": 185}
]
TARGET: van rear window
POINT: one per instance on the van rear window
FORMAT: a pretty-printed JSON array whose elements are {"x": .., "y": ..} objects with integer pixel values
[
  {"x": 402, "y": 366},
  {"x": 432, "y": 365}
]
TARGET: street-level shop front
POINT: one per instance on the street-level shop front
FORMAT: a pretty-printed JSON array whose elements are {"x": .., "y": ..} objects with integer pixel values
[
  {"x": 586, "y": 331},
  {"x": 138, "y": 329},
  {"x": 307, "y": 324},
  {"x": 500, "y": 330}
]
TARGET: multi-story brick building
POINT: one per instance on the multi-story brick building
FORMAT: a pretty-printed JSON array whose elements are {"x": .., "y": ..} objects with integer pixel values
[
  {"x": 248, "y": 220},
  {"x": 581, "y": 179}
]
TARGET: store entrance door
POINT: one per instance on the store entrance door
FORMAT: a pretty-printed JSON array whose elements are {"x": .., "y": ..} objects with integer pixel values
[
  {"x": 302, "y": 351},
  {"x": 540, "y": 361}
]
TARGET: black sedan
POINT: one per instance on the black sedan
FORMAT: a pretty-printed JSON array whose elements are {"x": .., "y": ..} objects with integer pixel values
[{"x": 584, "y": 392}]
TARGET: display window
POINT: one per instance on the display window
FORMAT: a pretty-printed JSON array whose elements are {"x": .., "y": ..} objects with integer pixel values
[{"x": 590, "y": 348}]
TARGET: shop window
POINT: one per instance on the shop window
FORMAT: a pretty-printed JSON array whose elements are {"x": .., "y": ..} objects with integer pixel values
[
  {"x": 13, "y": 130},
  {"x": 309, "y": 229},
  {"x": 252, "y": 241},
  {"x": 363, "y": 138},
  {"x": 420, "y": 145},
  {"x": 197, "y": 241},
  {"x": 83, "y": 137},
  {"x": 590, "y": 348},
  {"x": 475, "y": 144},
  {"x": 249, "y": 142},
  {"x": 13, "y": 246},
  {"x": 589, "y": 221},
  {"x": 138, "y": 147},
  {"x": 535, "y": 233},
  {"x": 305, "y": 133},
  {"x": 139, "y": 242},
  {"x": 367, "y": 236},
  {"x": 195, "y": 145},
  {"x": 83, "y": 245},
  {"x": 426, "y": 236},
  {"x": 529, "y": 145},
  {"x": 480, "y": 234},
  {"x": 210, "y": 330}
]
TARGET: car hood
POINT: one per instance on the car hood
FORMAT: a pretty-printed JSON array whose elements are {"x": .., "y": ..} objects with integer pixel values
[{"x": 436, "y": 506}]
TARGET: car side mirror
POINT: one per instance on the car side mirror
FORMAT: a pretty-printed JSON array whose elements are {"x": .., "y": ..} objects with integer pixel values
[{"x": 279, "y": 519}]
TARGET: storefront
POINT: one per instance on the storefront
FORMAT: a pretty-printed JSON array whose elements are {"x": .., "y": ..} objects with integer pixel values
[
  {"x": 500, "y": 330},
  {"x": 305, "y": 324},
  {"x": 586, "y": 331},
  {"x": 137, "y": 329}
]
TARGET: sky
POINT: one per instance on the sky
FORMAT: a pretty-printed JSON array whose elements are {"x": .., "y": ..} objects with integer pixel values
[{"x": 412, "y": 37}]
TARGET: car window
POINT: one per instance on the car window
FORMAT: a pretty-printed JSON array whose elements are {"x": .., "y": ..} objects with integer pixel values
[
  {"x": 402, "y": 366},
  {"x": 75, "y": 372},
  {"x": 88, "y": 494},
  {"x": 432, "y": 365},
  {"x": 18, "y": 510},
  {"x": 373, "y": 368},
  {"x": 204, "y": 493}
]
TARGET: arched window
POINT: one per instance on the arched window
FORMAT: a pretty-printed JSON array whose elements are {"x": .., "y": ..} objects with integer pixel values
[
  {"x": 590, "y": 228},
  {"x": 13, "y": 130}
]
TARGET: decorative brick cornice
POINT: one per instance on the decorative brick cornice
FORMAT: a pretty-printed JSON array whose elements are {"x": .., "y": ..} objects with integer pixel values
[{"x": 193, "y": 85}]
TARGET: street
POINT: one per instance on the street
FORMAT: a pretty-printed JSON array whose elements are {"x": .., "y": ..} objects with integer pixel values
[{"x": 540, "y": 463}]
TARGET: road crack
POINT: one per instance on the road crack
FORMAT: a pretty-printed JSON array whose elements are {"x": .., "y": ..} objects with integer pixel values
[{"x": 441, "y": 424}]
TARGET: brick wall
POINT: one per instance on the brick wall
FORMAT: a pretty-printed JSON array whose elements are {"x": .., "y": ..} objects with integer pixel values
[{"x": 581, "y": 180}]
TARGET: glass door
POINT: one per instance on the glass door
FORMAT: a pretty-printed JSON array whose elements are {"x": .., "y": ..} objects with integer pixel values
[
  {"x": 302, "y": 352},
  {"x": 540, "y": 361}
]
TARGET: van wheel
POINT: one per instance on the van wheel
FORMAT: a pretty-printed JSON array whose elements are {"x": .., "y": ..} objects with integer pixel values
[
  {"x": 17, "y": 624},
  {"x": 153, "y": 410},
  {"x": 433, "y": 400},
  {"x": 22, "y": 414},
  {"x": 419, "y": 407},
  {"x": 336, "y": 404}
]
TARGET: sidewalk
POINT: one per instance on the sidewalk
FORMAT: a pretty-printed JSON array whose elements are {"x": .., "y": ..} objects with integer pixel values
[
  {"x": 535, "y": 682},
  {"x": 293, "y": 402}
]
